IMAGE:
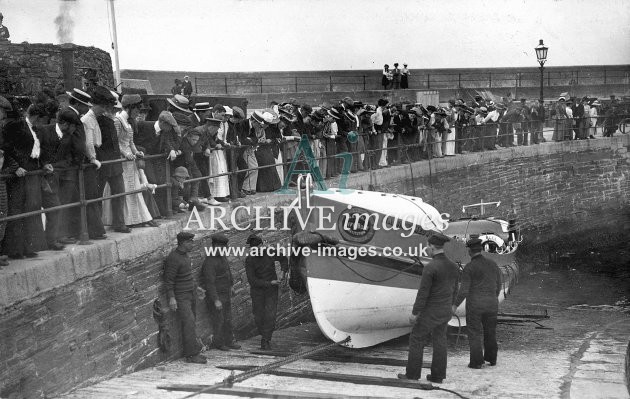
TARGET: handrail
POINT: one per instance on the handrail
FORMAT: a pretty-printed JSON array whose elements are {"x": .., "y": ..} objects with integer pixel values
[{"x": 399, "y": 147}]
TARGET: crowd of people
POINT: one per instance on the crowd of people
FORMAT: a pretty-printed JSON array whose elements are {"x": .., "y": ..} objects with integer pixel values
[{"x": 44, "y": 148}]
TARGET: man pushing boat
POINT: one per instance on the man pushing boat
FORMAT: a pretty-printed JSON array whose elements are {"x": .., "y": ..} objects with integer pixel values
[{"x": 432, "y": 312}]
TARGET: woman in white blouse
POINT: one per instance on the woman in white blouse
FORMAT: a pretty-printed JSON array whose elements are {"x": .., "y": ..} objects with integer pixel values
[{"x": 135, "y": 209}]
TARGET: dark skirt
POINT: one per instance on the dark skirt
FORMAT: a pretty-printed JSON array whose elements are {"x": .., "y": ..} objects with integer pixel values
[
  {"x": 268, "y": 179},
  {"x": 331, "y": 151},
  {"x": 404, "y": 82}
]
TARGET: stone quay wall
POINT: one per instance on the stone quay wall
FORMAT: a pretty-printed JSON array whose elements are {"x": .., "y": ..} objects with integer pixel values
[
  {"x": 87, "y": 314},
  {"x": 26, "y": 68}
]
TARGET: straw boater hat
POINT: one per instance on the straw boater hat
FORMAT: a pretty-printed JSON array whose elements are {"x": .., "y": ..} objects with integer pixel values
[
  {"x": 270, "y": 116},
  {"x": 258, "y": 117},
  {"x": 228, "y": 110},
  {"x": 287, "y": 115},
  {"x": 180, "y": 102},
  {"x": 200, "y": 107},
  {"x": 80, "y": 96}
]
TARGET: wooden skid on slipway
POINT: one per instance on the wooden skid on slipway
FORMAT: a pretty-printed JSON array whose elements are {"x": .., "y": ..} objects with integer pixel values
[
  {"x": 343, "y": 358},
  {"x": 319, "y": 375},
  {"x": 263, "y": 393}
]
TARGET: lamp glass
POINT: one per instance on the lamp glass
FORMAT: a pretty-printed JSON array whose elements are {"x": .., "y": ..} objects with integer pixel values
[{"x": 541, "y": 51}]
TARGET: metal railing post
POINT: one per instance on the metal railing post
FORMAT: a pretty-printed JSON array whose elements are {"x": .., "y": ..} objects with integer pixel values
[
  {"x": 226, "y": 88},
  {"x": 296, "y": 84},
  {"x": 604, "y": 75},
  {"x": 548, "y": 78},
  {"x": 490, "y": 79},
  {"x": 233, "y": 173},
  {"x": 196, "y": 91},
  {"x": 261, "y": 85},
  {"x": 363, "y": 82},
  {"x": 169, "y": 199},
  {"x": 428, "y": 81},
  {"x": 84, "y": 237},
  {"x": 330, "y": 79},
  {"x": 459, "y": 80},
  {"x": 577, "y": 77}
]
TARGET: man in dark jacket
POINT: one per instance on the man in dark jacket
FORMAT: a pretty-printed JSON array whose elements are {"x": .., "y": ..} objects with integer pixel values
[
  {"x": 431, "y": 312},
  {"x": 218, "y": 282},
  {"x": 111, "y": 173},
  {"x": 263, "y": 281},
  {"x": 180, "y": 290},
  {"x": 481, "y": 285}
]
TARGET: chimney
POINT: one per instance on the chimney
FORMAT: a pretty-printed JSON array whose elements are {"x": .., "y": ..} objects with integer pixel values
[{"x": 67, "y": 65}]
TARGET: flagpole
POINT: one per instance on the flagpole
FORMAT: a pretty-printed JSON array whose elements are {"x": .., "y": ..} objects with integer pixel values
[{"x": 112, "y": 12}]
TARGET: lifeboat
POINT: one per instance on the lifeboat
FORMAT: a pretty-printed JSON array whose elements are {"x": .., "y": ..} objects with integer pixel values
[{"x": 363, "y": 275}]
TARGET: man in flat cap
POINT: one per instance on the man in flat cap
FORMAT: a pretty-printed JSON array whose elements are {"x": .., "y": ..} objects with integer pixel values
[
  {"x": 481, "y": 286},
  {"x": 263, "y": 282},
  {"x": 217, "y": 280},
  {"x": 180, "y": 290},
  {"x": 432, "y": 311}
]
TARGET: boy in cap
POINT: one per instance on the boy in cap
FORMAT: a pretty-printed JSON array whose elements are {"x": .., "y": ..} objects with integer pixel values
[
  {"x": 217, "y": 280},
  {"x": 263, "y": 282},
  {"x": 481, "y": 284},
  {"x": 180, "y": 290},
  {"x": 177, "y": 189},
  {"x": 432, "y": 311},
  {"x": 187, "y": 160}
]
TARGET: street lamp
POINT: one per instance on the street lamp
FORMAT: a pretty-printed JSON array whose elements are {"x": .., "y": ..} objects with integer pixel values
[{"x": 541, "y": 54}]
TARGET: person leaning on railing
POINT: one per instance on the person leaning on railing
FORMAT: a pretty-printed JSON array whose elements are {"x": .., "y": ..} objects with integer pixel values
[
  {"x": 8, "y": 166},
  {"x": 25, "y": 236},
  {"x": 537, "y": 122},
  {"x": 187, "y": 160}
]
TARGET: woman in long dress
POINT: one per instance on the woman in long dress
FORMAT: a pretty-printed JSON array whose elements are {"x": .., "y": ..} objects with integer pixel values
[
  {"x": 560, "y": 121},
  {"x": 268, "y": 179},
  {"x": 135, "y": 211},
  {"x": 220, "y": 185},
  {"x": 329, "y": 136}
]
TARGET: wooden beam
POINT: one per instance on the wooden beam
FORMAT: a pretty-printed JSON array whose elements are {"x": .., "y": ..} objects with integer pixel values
[
  {"x": 343, "y": 358},
  {"x": 263, "y": 393},
  {"x": 351, "y": 378}
]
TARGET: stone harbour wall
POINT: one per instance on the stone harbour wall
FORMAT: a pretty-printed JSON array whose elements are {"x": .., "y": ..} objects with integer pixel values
[
  {"x": 88, "y": 315},
  {"x": 26, "y": 68}
]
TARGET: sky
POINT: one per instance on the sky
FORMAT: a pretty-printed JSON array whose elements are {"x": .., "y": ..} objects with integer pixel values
[{"x": 289, "y": 35}]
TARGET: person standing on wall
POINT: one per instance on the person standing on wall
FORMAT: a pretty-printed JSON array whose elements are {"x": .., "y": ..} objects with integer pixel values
[
  {"x": 187, "y": 87},
  {"x": 264, "y": 283},
  {"x": 218, "y": 282},
  {"x": 4, "y": 31},
  {"x": 431, "y": 312},
  {"x": 481, "y": 286},
  {"x": 180, "y": 290},
  {"x": 396, "y": 74},
  {"x": 404, "y": 79}
]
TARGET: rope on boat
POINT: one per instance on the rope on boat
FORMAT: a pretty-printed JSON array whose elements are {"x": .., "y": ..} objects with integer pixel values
[
  {"x": 399, "y": 272},
  {"x": 229, "y": 381}
]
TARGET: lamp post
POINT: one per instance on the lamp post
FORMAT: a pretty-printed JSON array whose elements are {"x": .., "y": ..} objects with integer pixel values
[{"x": 541, "y": 54}]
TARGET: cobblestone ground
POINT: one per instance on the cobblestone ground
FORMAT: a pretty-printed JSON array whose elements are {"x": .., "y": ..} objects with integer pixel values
[{"x": 581, "y": 356}]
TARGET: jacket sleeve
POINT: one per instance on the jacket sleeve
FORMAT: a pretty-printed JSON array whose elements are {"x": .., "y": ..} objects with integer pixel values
[
  {"x": 89, "y": 137},
  {"x": 171, "y": 267},
  {"x": 251, "y": 276},
  {"x": 425, "y": 289},
  {"x": 208, "y": 275},
  {"x": 499, "y": 279},
  {"x": 465, "y": 287}
]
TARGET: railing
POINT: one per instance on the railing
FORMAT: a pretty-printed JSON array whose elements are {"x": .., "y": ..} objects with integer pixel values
[
  {"x": 427, "y": 81},
  {"x": 469, "y": 139}
]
